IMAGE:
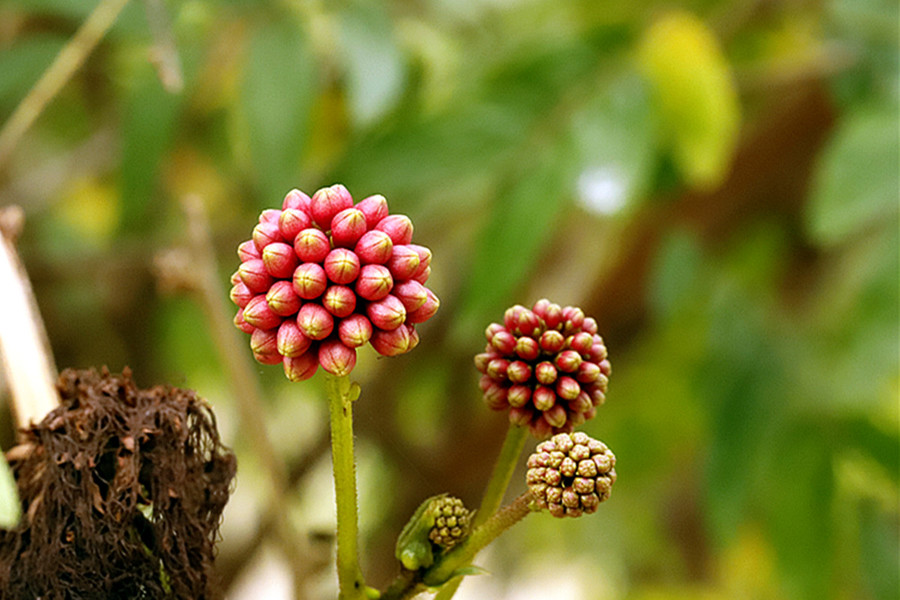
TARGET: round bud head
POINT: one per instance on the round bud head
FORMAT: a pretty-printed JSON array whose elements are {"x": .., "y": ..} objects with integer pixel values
[
  {"x": 339, "y": 300},
  {"x": 314, "y": 321},
  {"x": 258, "y": 314},
  {"x": 309, "y": 280},
  {"x": 279, "y": 259},
  {"x": 374, "y": 282},
  {"x": 374, "y": 247},
  {"x": 451, "y": 522},
  {"x": 248, "y": 250},
  {"x": 342, "y": 266},
  {"x": 387, "y": 313},
  {"x": 403, "y": 262},
  {"x": 292, "y": 222},
  {"x": 411, "y": 293},
  {"x": 312, "y": 245},
  {"x": 391, "y": 343},
  {"x": 297, "y": 200},
  {"x": 255, "y": 276},
  {"x": 426, "y": 311},
  {"x": 398, "y": 227},
  {"x": 354, "y": 331},
  {"x": 282, "y": 299},
  {"x": 327, "y": 202},
  {"x": 347, "y": 227},
  {"x": 375, "y": 208},
  {"x": 570, "y": 474},
  {"x": 241, "y": 324},
  {"x": 290, "y": 340},
  {"x": 240, "y": 294},
  {"x": 336, "y": 358},
  {"x": 301, "y": 368},
  {"x": 266, "y": 233}
]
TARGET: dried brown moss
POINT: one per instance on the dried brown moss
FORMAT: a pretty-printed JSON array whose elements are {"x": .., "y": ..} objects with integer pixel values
[{"x": 123, "y": 491}]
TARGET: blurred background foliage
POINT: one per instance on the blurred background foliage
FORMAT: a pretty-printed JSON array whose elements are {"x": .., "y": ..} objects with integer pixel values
[{"x": 716, "y": 181}]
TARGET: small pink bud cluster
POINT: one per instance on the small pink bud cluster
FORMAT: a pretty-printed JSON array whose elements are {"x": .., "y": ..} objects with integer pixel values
[
  {"x": 571, "y": 474},
  {"x": 323, "y": 276},
  {"x": 547, "y": 366}
]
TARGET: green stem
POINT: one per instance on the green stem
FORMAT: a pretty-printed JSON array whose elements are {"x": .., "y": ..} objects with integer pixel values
[
  {"x": 341, "y": 394},
  {"x": 496, "y": 488}
]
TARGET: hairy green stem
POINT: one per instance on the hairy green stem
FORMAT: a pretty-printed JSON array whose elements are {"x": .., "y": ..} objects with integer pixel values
[{"x": 341, "y": 394}]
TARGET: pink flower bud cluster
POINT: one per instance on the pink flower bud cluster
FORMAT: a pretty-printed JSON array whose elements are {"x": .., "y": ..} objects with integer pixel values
[
  {"x": 571, "y": 474},
  {"x": 323, "y": 276},
  {"x": 547, "y": 366}
]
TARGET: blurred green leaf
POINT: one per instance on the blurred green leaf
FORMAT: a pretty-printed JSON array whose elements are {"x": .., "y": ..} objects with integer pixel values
[
  {"x": 879, "y": 551},
  {"x": 857, "y": 181},
  {"x": 10, "y": 508},
  {"x": 674, "y": 283},
  {"x": 22, "y": 65},
  {"x": 860, "y": 433},
  {"x": 277, "y": 92},
  {"x": 696, "y": 96}
]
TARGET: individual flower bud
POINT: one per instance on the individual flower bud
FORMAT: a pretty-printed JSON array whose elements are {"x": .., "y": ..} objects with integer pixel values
[
  {"x": 482, "y": 360},
  {"x": 552, "y": 341},
  {"x": 270, "y": 215},
  {"x": 570, "y": 474},
  {"x": 391, "y": 343},
  {"x": 280, "y": 260},
  {"x": 588, "y": 372},
  {"x": 550, "y": 312},
  {"x": 527, "y": 348},
  {"x": 255, "y": 276},
  {"x": 403, "y": 262},
  {"x": 519, "y": 371},
  {"x": 292, "y": 222},
  {"x": 518, "y": 395},
  {"x": 375, "y": 208},
  {"x": 327, "y": 202},
  {"x": 451, "y": 523},
  {"x": 543, "y": 398},
  {"x": 426, "y": 311},
  {"x": 573, "y": 318},
  {"x": 266, "y": 233},
  {"x": 339, "y": 300},
  {"x": 581, "y": 404},
  {"x": 240, "y": 294},
  {"x": 258, "y": 314},
  {"x": 291, "y": 342},
  {"x": 282, "y": 299},
  {"x": 496, "y": 369},
  {"x": 354, "y": 331},
  {"x": 267, "y": 359},
  {"x": 336, "y": 358},
  {"x": 312, "y": 245},
  {"x": 342, "y": 266},
  {"x": 413, "y": 335},
  {"x": 263, "y": 342},
  {"x": 568, "y": 361},
  {"x": 424, "y": 260},
  {"x": 504, "y": 342},
  {"x": 374, "y": 247},
  {"x": 241, "y": 324},
  {"x": 301, "y": 368},
  {"x": 545, "y": 373},
  {"x": 589, "y": 325},
  {"x": 309, "y": 280},
  {"x": 581, "y": 342},
  {"x": 248, "y": 250},
  {"x": 556, "y": 416},
  {"x": 398, "y": 227},
  {"x": 296, "y": 200},
  {"x": 347, "y": 227},
  {"x": 495, "y": 396},
  {"x": 567, "y": 388},
  {"x": 521, "y": 415},
  {"x": 314, "y": 321},
  {"x": 235, "y": 278},
  {"x": 598, "y": 396},
  {"x": 387, "y": 313},
  {"x": 374, "y": 282},
  {"x": 411, "y": 293}
]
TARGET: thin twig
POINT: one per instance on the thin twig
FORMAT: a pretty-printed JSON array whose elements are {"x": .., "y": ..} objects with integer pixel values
[
  {"x": 67, "y": 62},
  {"x": 164, "y": 54}
]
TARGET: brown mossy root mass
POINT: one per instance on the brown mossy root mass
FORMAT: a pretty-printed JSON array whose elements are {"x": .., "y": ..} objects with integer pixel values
[{"x": 122, "y": 490}]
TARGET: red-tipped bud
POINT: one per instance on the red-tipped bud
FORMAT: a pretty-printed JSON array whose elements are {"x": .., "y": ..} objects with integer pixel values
[
  {"x": 424, "y": 259},
  {"x": 374, "y": 282},
  {"x": 403, "y": 262},
  {"x": 413, "y": 335},
  {"x": 590, "y": 325},
  {"x": 263, "y": 341},
  {"x": 248, "y": 250},
  {"x": 374, "y": 247},
  {"x": 387, "y": 313},
  {"x": 518, "y": 395},
  {"x": 336, "y": 358},
  {"x": 258, "y": 314},
  {"x": 241, "y": 324},
  {"x": 598, "y": 351},
  {"x": 291, "y": 341},
  {"x": 567, "y": 388},
  {"x": 270, "y": 215},
  {"x": 312, "y": 245},
  {"x": 339, "y": 300},
  {"x": 309, "y": 280},
  {"x": 493, "y": 329},
  {"x": 527, "y": 348},
  {"x": 495, "y": 396},
  {"x": 518, "y": 372},
  {"x": 511, "y": 316},
  {"x": 280, "y": 260},
  {"x": 552, "y": 341},
  {"x": 301, "y": 368},
  {"x": 292, "y": 222},
  {"x": 588, "y": 372},
  {"x": 347, "y": 227},
  {"x": 235, "y": 278},
  {"x": 545, "y": 373},
  {"x": 267, "y": 359},
  {"x": 582, "y": 403},
  {"x": 398, "y": 227},
  {"x": 543, "y": 398},
  {"x": 411, "y": 293},
  {"x": 556, "y": 416},
  {"x": 327, "y": 202},
  {"x": 482, "y": 360},
  {"x": 568, "y": 361},
  {"x": 598, "y": 396},
  {"x": 391, "y": 343},
  {"x": 422, "y": 276},
  {"x": 496, "y": 369},
  {"x": 520, "y": 415},
  {"x": 375, "y": 208},
  {"x": 240, "y": 294},
  {"x": 550, "y": 312},
  {"x": 282, "y": 299},
  {"x": 573, "y": 318},
  {"x": 266, "y": 233},
  {"x": 354, "y": 331},
  {"x": 581, "y": 342},
  {"x": 297, "y": 200},
  {"x": 541, "y": 429},
  {"x": 342, "y": 266},
  {"x": 504, "y": 342},
  {"x": 255, "y": 275},
  {"x": 314, "y": 321}
]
